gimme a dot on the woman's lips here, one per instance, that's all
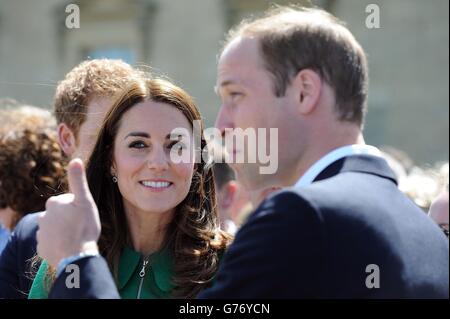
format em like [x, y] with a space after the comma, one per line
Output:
[156, 185]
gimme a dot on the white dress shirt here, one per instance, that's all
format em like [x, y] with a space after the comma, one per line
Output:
[333, 156]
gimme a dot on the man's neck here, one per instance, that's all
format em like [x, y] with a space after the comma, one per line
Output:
[315, 154]
[259, 188]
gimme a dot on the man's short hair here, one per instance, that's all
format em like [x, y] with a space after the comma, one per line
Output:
[90, 79]
[295, 38]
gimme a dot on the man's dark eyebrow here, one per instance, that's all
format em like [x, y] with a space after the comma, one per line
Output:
[228, 82]
[223, 84]
[138, 134]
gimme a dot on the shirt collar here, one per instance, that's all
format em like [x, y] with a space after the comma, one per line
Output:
[335, 155]
[160, 262]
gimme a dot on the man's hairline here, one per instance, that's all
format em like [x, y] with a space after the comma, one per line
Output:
[244, 35]
[76, 132]
[262, 64]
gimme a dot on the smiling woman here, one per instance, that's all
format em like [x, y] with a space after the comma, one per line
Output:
[160, 229]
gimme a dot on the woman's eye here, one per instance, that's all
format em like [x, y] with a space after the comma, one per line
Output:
[137, 144]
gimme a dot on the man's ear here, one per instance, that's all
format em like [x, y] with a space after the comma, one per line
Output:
[307, 86]
[66, 139]
[230, 190]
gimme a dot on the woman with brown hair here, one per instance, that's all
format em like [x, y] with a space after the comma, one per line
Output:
[160, 230]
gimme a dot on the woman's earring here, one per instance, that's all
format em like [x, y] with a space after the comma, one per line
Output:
[114, 179]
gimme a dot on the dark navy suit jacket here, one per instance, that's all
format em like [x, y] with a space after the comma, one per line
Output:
[351, 234]
[15, 272]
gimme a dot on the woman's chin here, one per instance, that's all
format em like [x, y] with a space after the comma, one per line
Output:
[156, 210]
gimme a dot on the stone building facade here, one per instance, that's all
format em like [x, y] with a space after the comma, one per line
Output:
[408, 54]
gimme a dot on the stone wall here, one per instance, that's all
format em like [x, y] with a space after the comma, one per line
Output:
[408, 55]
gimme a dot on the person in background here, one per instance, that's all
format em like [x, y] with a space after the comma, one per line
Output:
[30, 163]
[81, 101]
[160, 229]
[16, 116]
[439, 208]
[31, 170]
[4, 234]
[422, 184]
[233, 201]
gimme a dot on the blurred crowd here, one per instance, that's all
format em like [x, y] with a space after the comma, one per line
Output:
[119, 120]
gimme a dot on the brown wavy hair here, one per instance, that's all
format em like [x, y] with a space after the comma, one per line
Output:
[193, 236]
[31, 170]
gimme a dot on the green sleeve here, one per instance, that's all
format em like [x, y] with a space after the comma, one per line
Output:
[38, 288]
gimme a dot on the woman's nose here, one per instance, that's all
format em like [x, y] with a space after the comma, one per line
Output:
[158, 160]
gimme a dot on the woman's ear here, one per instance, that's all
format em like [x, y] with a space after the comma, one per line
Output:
[113, 170]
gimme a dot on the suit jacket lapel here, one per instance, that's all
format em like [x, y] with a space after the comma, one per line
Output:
[359, 163]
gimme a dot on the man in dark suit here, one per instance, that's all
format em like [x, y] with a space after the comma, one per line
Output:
[80, 105]
[343, 230]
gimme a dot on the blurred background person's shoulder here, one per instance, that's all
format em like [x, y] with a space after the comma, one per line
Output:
[439, 208]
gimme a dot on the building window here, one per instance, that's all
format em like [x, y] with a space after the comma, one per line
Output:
[113, 29]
